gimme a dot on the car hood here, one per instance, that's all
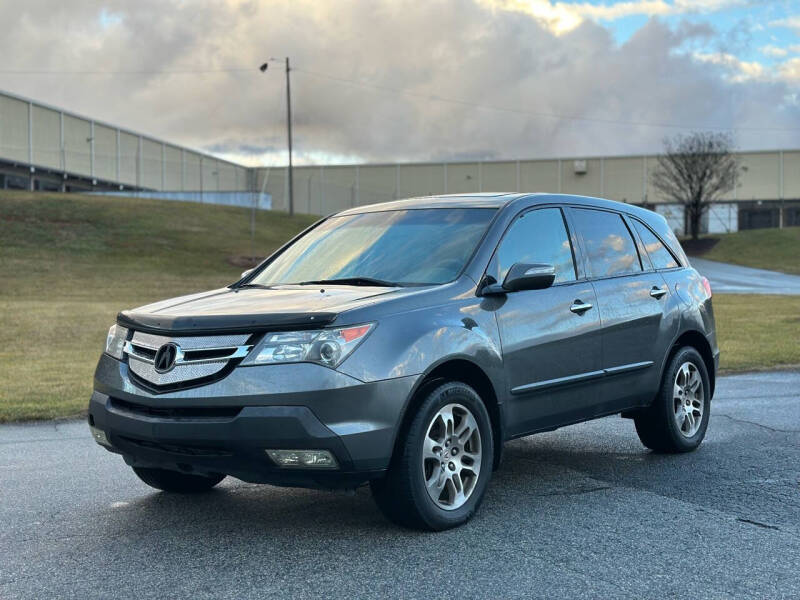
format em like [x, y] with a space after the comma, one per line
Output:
[252, 309]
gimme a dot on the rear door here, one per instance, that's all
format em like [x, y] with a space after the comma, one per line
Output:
[550, 337]
[631, 297]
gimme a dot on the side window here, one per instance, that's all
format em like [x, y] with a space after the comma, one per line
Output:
[609, 245]
[537, 236]
[661, 257]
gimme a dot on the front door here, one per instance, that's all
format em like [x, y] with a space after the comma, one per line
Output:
[551, 337]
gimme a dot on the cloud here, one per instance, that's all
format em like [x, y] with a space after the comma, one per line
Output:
[740, 70]
[561, 17]
[787, 71]
[384, 81]
[789, 22]
[773, 51]
[790, 70]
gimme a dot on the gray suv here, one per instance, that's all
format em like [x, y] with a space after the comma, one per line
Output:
[402, 344]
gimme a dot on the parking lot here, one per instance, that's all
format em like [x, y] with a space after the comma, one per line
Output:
[734, 279]
[583, 511]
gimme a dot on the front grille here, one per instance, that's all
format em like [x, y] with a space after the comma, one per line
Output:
[196, 357]
[212, 354]
[178, 448]
[143, 351]
[189, 412]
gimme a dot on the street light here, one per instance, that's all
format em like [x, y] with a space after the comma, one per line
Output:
[263, 68]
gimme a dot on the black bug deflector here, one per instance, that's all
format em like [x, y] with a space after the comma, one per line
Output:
[212, 324]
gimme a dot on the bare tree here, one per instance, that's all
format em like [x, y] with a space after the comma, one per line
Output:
[697, 170]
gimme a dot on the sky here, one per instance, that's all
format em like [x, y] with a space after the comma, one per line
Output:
[403, 80]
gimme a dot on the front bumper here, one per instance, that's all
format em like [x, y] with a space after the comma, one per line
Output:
[227, 426]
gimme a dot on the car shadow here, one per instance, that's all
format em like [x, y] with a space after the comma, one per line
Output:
[536, 475]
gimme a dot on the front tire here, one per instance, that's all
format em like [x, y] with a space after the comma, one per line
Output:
[173, 481]
[442, 466]
[678, 418]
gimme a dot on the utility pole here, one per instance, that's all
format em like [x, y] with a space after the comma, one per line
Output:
[263, 69]
[289, 136]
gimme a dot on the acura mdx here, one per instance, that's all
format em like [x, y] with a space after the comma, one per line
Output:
[401, 344]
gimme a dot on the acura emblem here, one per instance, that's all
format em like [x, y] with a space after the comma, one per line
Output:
[165, 357]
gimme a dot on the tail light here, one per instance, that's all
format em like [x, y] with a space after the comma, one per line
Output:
[707, 286]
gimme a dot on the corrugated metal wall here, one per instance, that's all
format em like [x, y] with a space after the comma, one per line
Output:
[14, 142]
[49, 139]
[323, 190]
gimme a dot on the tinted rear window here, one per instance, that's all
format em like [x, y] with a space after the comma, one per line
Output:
[607, 242]
[658, 253]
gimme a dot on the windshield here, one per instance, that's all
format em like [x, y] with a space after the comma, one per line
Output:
[398, 247]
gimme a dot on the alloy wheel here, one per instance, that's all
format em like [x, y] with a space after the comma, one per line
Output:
[688, 399]
[451, 456]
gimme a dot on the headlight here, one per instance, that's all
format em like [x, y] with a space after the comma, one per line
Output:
[327, 347]
[116, 341]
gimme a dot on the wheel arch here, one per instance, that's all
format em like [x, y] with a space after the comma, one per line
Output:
[698, 341]
[466, 371]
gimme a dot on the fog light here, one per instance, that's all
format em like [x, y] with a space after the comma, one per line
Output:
[303, 459]
[100, 436]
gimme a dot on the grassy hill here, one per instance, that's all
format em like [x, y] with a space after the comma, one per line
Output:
[774, 249]
[69, 263]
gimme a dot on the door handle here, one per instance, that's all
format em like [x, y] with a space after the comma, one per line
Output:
[657, 292]
[579, 307]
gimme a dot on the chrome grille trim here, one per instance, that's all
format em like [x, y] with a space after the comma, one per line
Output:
[142, 347]
[154, 342]
[236, 352]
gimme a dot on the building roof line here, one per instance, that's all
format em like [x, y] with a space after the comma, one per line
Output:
[144, 136]
[437, 163]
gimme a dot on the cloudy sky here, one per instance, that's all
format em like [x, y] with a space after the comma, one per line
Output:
[396, 80]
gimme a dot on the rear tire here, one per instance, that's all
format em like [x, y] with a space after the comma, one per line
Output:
[442, 465]
[678, 418]
[176, 482]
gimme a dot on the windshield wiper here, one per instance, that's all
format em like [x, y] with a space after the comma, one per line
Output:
[252, 285]
[362, 281]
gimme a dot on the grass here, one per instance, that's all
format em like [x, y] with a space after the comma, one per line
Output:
[69, 263]
[757, 332]
[774, 249]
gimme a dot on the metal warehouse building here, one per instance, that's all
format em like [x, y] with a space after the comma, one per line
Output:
[45, 148]
[768, 194]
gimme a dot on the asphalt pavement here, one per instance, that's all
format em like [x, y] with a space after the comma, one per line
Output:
[585, 511]
[726, 278]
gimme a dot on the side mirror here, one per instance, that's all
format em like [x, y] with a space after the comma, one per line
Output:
[525, 276]
[246, 273]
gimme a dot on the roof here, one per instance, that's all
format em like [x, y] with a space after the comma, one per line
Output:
[492, 200]
[477, 200]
